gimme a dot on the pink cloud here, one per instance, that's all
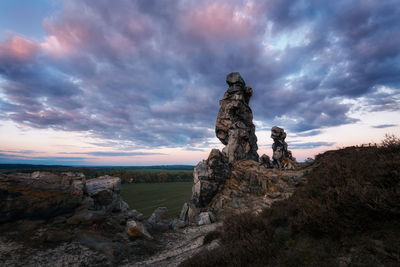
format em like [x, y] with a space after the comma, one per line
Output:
[18, 48]
[216, 20]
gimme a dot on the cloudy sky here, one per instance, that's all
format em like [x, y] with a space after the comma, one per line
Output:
[137, 82]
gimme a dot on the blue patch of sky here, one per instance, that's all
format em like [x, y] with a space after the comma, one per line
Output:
[25, 17]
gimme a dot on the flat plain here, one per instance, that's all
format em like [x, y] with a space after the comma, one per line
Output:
[146, 197]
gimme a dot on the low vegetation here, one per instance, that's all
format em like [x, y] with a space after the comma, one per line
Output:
[348, 213]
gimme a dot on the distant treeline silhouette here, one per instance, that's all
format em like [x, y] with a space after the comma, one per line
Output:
[135, 174]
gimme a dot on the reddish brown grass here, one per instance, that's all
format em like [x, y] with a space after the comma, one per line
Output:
[348, 212]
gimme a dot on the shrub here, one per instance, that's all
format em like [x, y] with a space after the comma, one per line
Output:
[350, 202]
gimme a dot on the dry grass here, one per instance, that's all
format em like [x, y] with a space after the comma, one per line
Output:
[348, 212]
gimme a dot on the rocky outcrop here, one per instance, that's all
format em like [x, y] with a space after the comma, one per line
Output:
[235, 129]
[105, 192]
[234, 126]
[209, 176]
[282, 157]
[253, 187]
[48, 218]
[39, 195]
[237, 179]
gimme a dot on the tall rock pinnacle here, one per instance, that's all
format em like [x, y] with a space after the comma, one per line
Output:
[282, 157]
[234, 126]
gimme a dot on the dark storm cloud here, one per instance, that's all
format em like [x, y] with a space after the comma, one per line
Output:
[152, 72]
[25, 159]
[381, 126]
[308, 145]
[115, 154]
[311, 133]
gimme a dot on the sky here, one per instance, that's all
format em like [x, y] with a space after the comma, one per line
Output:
[138, 82]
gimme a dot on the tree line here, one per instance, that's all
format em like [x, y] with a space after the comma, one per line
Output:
[153, 174]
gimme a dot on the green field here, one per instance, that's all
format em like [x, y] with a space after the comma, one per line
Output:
[146, 197]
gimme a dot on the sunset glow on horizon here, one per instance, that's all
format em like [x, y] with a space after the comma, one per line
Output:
[139, 82]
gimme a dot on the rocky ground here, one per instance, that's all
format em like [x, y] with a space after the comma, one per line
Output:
[179, 245]
[48, 248]
[102, 230]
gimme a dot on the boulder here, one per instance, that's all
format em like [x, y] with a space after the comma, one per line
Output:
[137, 229]
[206, 218]
[189, 213]
[105, 191]
[234, 126]
[134, 214]
[159, 219]
[209, 177]
[177, 223]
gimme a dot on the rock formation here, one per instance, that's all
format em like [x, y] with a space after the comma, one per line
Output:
[234, 126]
[264, 160]
[82, 221]
[208, 177]
[236, 179]
[45, 195]
[235, 129]
[282, 157]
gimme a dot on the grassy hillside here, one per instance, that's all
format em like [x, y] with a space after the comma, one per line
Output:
[348, 214]
[147, 197]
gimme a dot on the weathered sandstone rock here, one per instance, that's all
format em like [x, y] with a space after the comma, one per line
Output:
[264, 160]
[234, 126]
[177, 224]
[159, 219]
[209, 176]
[252, 187]
[189, 213]
[138, 230]
[105, 191]
[282, 157]
[206, 218]
[40, 195]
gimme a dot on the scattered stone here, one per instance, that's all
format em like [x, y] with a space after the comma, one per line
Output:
[87, 217]
[123, 206]
[177, 224]
[134, 214]
[159, 219]
[189, 213]
[206, 218]
[234, 126]
[137, 229]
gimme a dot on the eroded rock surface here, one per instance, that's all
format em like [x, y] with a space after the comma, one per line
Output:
[208, 177]
[39, 195]
[237, 179]
[253, 187]
[234, 126]
[52, 219]
[282, 157]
